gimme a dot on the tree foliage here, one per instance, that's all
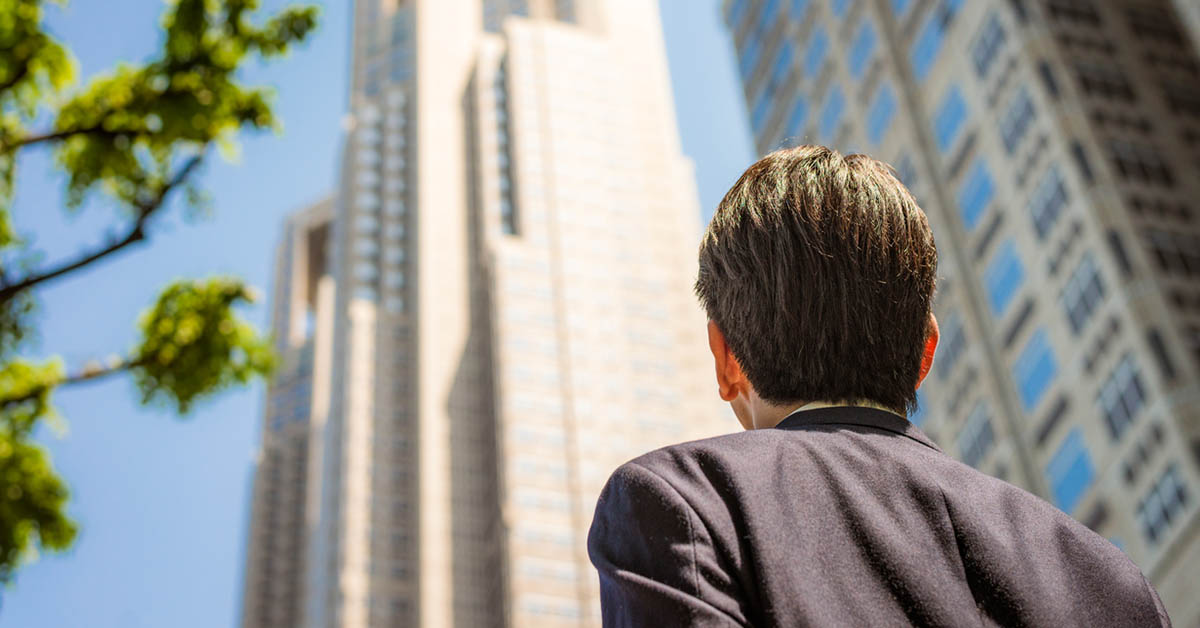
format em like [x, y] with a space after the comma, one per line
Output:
[132, 138]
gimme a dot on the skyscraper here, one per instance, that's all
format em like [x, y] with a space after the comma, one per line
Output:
[1055, 146]
[513, 245]
[297, 396]
[1189, 14]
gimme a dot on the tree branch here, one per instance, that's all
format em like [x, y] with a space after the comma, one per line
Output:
[89, 373]
[21, 73]
[53, 136]
[135, 234]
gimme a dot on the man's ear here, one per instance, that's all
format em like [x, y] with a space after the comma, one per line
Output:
[931, 343]
[730, 380]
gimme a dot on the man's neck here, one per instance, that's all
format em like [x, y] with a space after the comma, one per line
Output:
[816, 405]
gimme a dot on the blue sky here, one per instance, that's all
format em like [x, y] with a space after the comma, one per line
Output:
[162, 501]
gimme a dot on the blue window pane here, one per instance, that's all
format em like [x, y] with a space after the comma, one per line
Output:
[918, 416]
[780, 68]
[1003, 277]
[862, 48]
[814, 56]
[768, 16]
[797, 118]
[759, 116]
[883, 109]
[750, 55]
[925, 48]
[976, 194]
[799, 8]
[831, 114]
[949, 118]
[900, 7]
[840, 6]
[737, 11]
[1035, 369]
[1070, 472]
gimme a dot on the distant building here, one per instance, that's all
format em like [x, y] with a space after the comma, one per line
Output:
[513, 246]
[302, 309]
[1055, 146]
[1189, 14]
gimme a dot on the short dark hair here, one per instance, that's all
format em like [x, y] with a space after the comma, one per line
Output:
[819, 269]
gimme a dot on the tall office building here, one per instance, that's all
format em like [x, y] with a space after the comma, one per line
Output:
[302, 307]
[1055, 145]
[513, 246]
[1189, 14]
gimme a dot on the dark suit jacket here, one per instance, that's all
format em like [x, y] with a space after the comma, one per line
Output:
[846, 517]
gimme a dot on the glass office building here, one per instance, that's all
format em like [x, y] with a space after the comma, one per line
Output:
[1055, 145]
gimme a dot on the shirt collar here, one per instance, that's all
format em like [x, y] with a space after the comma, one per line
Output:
[860, 414]
[817, 405]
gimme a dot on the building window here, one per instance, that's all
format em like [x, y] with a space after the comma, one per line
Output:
[814, 55]
[1183, 98]
[987, 44]
[737, 11]
[798, 117]
[1048, 79]
[1016, 120]
[759, 116]
[1140, 162]
[862, 48]
[799, 9]
[781, 67]
[779, 71]
[906, 171]
[831, 114]
[767, 17]
[883, 109]
[954, 343]
[1035, 369]
[1070, 472]
[1118, 251]
[1174, 252]
[750, 55]
[840, 6]
[1083, 293]
[926, 47]
[1155, 23]
[1159, 348]
[1121, 397]
[976, 438]
[949, 118]
[1105, 81]
[1077, 11]
[508, 198]
[976, 194]
[1081, 160]
[921, 413]
[900, 7]
[1162, 507]
[1003, 277]
[1047, 202]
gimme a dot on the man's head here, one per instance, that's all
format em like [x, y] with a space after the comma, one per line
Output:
[817, 273]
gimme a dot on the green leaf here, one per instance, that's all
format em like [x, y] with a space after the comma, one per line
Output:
[194, 345]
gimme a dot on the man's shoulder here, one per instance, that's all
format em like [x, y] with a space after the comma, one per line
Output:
[747, 453]
[672, 459]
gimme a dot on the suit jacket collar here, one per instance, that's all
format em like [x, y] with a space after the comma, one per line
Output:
[859, 416]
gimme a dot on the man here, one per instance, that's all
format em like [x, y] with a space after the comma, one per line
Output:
[817, 273]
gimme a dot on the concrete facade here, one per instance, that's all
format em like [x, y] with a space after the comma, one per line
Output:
[301, 320]
[513, 246]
